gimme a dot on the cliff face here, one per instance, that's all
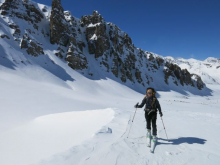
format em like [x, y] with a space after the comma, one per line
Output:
[116, 53]
[59, 31]
[91, 46]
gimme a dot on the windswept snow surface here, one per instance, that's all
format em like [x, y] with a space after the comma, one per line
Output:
[50, 134]
[42, 115]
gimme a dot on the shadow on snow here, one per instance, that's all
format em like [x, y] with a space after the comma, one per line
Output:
[180, 140]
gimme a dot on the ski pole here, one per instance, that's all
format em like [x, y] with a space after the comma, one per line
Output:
[164, 128]
[132, 122]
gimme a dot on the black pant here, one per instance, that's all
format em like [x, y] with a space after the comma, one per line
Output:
[152, 118]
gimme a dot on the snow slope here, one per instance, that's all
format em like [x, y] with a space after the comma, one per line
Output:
[48, 135]
[28, 94]
[95, 137]
[191, 123]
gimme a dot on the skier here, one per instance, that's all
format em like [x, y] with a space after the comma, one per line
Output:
[151, 106]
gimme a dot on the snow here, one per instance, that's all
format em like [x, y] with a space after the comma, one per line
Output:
[169, 58]
[212, 60]
[51, 123]
[50, 134]
[94, 37]
[190, 125]
[30, 93]
[93, 25]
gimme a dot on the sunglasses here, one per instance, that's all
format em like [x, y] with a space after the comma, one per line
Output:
[149, 92]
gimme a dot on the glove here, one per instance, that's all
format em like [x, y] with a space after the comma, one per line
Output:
[161, 114]
[136, 105]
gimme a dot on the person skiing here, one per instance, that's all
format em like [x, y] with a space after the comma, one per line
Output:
[151, 106]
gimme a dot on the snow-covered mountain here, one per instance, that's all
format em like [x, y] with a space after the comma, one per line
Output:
[208, 70]
[90, 45]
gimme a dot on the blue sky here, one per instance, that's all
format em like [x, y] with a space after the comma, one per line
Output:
[178, 28]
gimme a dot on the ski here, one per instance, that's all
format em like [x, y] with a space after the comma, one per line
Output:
[154, 140]
[148, 140]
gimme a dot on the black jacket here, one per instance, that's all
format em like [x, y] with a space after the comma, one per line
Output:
[148, 102]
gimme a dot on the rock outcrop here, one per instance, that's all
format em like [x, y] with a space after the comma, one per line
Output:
[91, 19]
[175, 71]
[23, 10]
[32, 47]
[64, 31]
[199, 83]
[75, 55]
[59, 31]
[9, 5]
[76, 59]
[96, 36]
[28, 12]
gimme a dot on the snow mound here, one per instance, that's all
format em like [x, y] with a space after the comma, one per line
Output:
[51, 134]
[105, 130]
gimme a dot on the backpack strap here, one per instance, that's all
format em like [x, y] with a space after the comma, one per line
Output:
[154, 100]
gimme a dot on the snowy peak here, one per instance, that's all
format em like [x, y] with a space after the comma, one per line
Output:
[212, 60]
[208, 69]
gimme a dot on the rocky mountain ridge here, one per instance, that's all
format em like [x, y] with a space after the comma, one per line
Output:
[91, 46]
